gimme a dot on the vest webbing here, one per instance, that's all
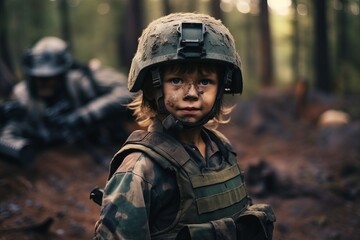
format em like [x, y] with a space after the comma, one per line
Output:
[204, 196]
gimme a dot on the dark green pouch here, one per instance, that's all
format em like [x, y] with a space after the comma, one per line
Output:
[256, 223]
[222, 229]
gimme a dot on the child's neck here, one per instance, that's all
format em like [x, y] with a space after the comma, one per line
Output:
[193, 136]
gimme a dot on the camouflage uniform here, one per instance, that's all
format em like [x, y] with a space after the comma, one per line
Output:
[160, 188]
[93, 99]
[146, 197]
[97, 100]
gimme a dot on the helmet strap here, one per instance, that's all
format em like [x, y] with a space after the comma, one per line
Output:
[170, 122]
[159, 95]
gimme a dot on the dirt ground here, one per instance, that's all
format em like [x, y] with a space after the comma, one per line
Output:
[310, 174]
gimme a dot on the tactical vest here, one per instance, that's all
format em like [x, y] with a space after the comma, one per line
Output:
[204, 196]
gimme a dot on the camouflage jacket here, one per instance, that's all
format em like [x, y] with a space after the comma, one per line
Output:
[144, 199]
[95, 99]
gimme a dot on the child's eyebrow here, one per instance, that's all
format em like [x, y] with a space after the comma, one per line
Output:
[208, 73]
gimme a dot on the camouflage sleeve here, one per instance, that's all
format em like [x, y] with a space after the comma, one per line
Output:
[126, 202]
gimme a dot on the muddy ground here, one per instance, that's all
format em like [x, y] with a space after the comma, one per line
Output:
[309, 173]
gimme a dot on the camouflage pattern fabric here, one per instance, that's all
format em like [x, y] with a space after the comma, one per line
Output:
[94, 100]
[141, 199]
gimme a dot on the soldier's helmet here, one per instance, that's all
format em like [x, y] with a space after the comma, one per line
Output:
[49, 57]
[185, 37]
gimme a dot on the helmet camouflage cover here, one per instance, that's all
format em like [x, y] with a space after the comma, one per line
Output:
[185, 37]
[49, 57]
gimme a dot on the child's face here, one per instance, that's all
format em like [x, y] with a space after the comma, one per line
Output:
[189, 96]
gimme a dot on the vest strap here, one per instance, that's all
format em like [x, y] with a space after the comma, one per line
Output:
[210, 179]
[222, 200]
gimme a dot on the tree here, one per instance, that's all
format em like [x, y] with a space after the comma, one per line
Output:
[64, 21]
[7, 81]
[250, 41]
[4, 53]
[132, 25]
[342, 45]
[323, 82]
[7, 78]
[296, 43]
[166, 7]
[193, 5]
[266, 62]
[215, 9]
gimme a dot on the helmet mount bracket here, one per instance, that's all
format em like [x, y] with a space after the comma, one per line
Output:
[191, 40]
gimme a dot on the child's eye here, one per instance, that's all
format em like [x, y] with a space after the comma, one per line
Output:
[205, 82]
[176, 81]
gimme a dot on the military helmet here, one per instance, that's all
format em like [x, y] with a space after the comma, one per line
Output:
[185, 37]
[49, 57]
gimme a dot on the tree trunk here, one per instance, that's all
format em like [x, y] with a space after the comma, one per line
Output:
[7, 81]
[132, 27]
[250, 41]
[166, 7]
[65, 21]
[342, 47]
[323, 82]
[266, 64]
[4, 52]
[193, 5]
[216, 10]
[296, 45]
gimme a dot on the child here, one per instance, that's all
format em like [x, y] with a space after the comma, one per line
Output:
[180, 179]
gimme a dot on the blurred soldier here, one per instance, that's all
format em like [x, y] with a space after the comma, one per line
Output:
[62, 101]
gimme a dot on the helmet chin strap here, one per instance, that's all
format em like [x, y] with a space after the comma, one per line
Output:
[172, 123]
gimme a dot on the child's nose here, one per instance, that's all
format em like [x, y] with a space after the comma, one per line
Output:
[191, 91]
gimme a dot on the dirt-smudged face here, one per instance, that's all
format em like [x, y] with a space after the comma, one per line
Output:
[190, 96]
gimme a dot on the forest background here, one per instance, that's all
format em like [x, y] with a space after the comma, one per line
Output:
[300, 60]
[280, 41]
